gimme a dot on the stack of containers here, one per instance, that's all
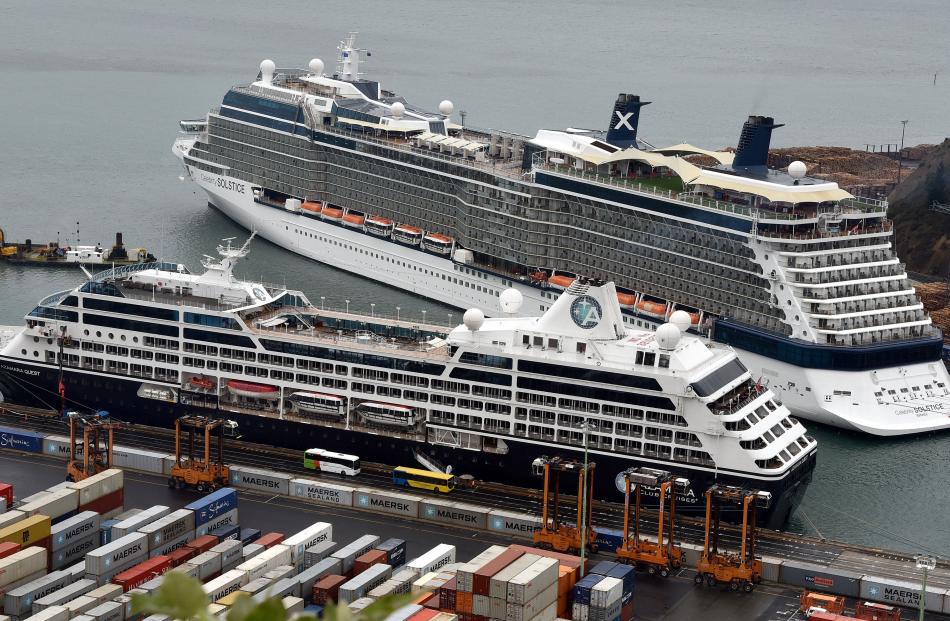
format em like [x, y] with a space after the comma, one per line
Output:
[139, 520]
[230, 552]
[348, 553]
[21, 568]
[267, 560]
[367, 560]
[605, 599]
[532, 594]
[315, 554]
[217, 510]
[169, 533]
[298, 543]
[464, 577]
[106, 561]
[58, 505]
[326, 590]
[400, 582]
[18, 601]
[70, 539]
[627, 574]
[364, 582]
[436, 558]
[207, 565]
[29, 531]
[495, 603]
[102, 493]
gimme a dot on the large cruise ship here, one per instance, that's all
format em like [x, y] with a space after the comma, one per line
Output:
[486, 398]
[801, 277]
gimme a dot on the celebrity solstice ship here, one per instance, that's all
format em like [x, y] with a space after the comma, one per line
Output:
[799, 276]
[486, 398]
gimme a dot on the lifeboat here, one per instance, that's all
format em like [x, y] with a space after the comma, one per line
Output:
[561, 281]
[202, 382]
[438, 244]
[652, 308]
[354, 220]
[332, 214]
[538, 276]
[378, 226]
[405, 234]
[311, 207]
[253, 390]
[626, 300]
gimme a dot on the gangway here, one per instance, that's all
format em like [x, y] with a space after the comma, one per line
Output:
[742, 570]
[662, 556]
[553, 534]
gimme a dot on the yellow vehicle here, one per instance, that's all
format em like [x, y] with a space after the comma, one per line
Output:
[424, 479]
[715, 566]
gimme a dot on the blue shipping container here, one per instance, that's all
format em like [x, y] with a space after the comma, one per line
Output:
[628, 574]
[609, 539]
[214, 504]
[20, 440]
[313, 609]
[583, 587]
[105, 531]
[249, 535]
[603, 568]
[226, 532]
[395, 550]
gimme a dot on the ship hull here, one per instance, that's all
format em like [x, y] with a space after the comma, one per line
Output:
[813, 394]
[36, 384]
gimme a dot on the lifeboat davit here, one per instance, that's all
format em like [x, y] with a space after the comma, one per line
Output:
[651, 307]
[561, 281]
[199, 381]
[626, 300]
[253, 390]
[311, 207]
[354, 220]
[379, 226]
[332, 214]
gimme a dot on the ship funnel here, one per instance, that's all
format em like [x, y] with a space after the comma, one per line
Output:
[622, 131]
[753, 148]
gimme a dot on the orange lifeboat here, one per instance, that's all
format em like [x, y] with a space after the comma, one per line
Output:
[650, 307]
[253, 390]
[311, 207]
[200, 381]
[627, 300]
[332, 214]
[538, 276]
[379, 226]
[562, 281]
[354, 220]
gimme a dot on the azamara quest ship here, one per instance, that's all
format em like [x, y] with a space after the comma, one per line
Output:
[798, 275]
[486, 398]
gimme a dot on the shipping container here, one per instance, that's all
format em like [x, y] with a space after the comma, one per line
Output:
[251, 550]
[813, 578]
[7, 548]
[109, 611]
[308, 537]
[583, 588]
[308, 577]
[28, 531]
[374, 557]
[19, 601]
[606, 592]
[167, 547]
[168, 528]
[182, 555]
[6, 496]
[230, 551]
[454, 513]
[227, 520]
[126, 601]
[900, 593]
[348, 553]
[255, 586]
[98, 486]
[465, 571]
[564, 559]
[64, 595]
[138, 459]
[514, 524]
[317, 553]
[395, 550]
[628, 575]
[20, 565]
[391, 503]
[608, 539]
[292, 606]
[533, 581]
[80, 526]
[249, 535]
[52, 613]
[286, 587]
[214, 505]
[268, 559]
[139, 520]
[357, 587]
[10, 517]
[534, 607]
[74, 552]
[105, 593]
[230, 532]
[80, 605]
[498, 584]
[142, 572]
[360, 604]
[152, 585]
[280, 572]
[481, 578]
[108, 505]
[21, 440]
[261, 480]
[203, 543]
[132, 549]
[105, 530]
[57, 505]
[435, 558]
[191, 570]
[325, 493]
[224, 584]
[208, 563]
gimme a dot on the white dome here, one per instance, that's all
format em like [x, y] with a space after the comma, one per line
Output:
[681, 320]
[398, 109]
[511, 301]
[797, 169]
[267, 70]
[446, 107]
[473, 319]
[667, 336]
[316, 66]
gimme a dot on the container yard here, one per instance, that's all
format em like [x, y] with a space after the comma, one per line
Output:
[465, 560]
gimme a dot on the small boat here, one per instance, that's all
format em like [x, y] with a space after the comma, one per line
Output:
[318, 403]
[538, 276]
[405, 234]
[252, 390]
[653, 308]
[378, 226]
[311, 207]
[438, 244]
[354, 220]
[386, 414]
[202, 382]
[332, 214]
[626, 300]
[562, 281]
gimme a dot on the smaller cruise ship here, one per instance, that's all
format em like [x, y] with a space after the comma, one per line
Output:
[486, 398]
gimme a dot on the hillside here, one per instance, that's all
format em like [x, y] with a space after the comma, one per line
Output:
[936, 299]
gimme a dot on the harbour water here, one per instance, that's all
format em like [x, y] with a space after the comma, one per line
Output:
[93, 94]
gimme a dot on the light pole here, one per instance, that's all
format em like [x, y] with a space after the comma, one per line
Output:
[450, 320]
[926, 563]
[397, 313]
[424, 316]
[900, 154]
[584, 501]
[347, 307]
[323, 299]
[372, 307]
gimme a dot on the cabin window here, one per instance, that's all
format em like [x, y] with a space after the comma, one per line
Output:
[582, 348]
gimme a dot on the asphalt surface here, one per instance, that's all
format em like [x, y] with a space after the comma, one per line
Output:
[655, 598]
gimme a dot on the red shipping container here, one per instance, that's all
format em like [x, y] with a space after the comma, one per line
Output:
[426, 614]
[626, 613]
[181, 555]
[6, 493]
[142, 573]
[367, 560]
[564, 559]
[202, 543]
[463, 602]
[327, 589]
[107, 503]
[481, 580]
[447, 595]
[269, 539]
[8, 547]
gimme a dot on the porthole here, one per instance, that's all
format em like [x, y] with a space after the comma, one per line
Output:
[111, 336]
[99, 333]
[23, 352]
[135, 339]
[85, 332]
[36, 339]
[36, 354]
[122, 337]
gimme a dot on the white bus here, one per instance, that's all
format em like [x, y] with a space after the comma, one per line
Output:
[327, 461]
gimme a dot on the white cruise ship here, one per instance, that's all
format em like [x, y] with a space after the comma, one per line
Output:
[487, 398]
[798, 275]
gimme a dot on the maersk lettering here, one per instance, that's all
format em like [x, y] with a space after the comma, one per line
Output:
[456, 517]
[901, 596]
[118, 556]
[444, 561]
[326, 495]
[230, 184]
[249, 480]
[524, 528]
[77, 531]
[79, 548]
[389, 504]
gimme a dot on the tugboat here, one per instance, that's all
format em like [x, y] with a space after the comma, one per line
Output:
[54, 253]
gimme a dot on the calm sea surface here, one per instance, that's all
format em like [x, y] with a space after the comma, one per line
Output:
[92, 92]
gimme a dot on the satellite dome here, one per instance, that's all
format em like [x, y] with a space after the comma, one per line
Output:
[681, 320]
[267, 70]
[316, 66]
[473, 319]
[667, 336]
[446, 107]
[797, 169]
[398, 109]
[511, 301]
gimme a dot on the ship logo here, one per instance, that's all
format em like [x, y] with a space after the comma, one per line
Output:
[624, 121]
[586, 312]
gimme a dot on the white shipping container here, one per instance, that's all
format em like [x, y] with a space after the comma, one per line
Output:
[73, 529]
[80, 605]
[292, 605]
[534, 607]
[325, 493]
[442, 554]
[308, 577]
[188, 569]
[348, 553]
[251, 550]
[109, 611]
[392, 503]
[900, 593]
[403, 613]
[315, 554]
[64, 595]
[310, 536]
[230, 551]
[261, 480]
[75, 551]
[105, 593]
[137, 521]
[357, 587]
[256, 586]
[120, 552]
[227, 582]
[464, 573]
[225, 519]
[279, 573]
[360, 604]
[498, 584]
[499, 608]
[22, 564]
[137, 459]
[455, 513]
[534, 580]
[270, 558]
[606, 592]
[126, 601]
[53, 613]
[481, 605]
[19, 601]
[10, 517]
[167, 547]
[511, 523]
[98, 485]
[169, 527]
[208, 563]
[54, 504]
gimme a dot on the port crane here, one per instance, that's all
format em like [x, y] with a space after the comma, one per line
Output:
[662, 556]
[206, 470]
[553, 534]
[742, 570]
[90, 449]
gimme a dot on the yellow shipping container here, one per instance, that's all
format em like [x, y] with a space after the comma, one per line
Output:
[228, 600]
[28, 531]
